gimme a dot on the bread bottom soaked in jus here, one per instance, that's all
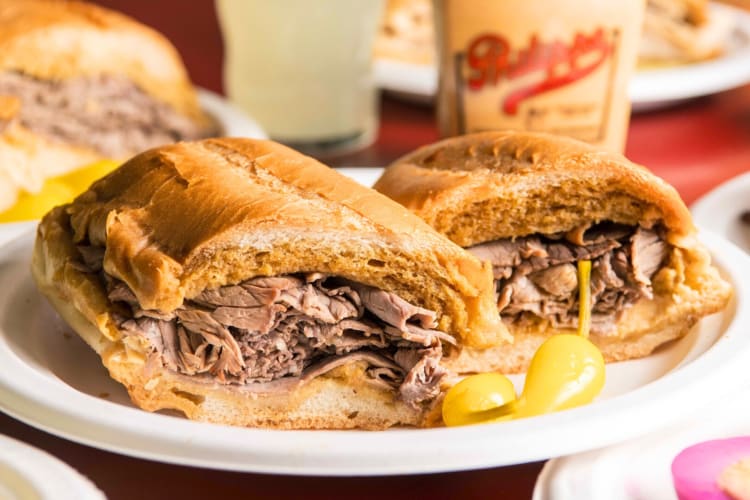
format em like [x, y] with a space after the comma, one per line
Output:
[271, 334]
[536, 275]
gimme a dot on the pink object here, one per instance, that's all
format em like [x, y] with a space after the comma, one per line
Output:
[696, 470]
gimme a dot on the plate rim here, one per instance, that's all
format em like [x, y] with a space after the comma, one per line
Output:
[701, 207]
[45, 473]
[95, 422]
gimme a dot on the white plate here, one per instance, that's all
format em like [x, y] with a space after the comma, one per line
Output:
[51, 380]
[649, 89]
[11, 230]
[234, 122]
[27, 473]
[364, 175]
[415, 82]
[721, 209]
[641, 469]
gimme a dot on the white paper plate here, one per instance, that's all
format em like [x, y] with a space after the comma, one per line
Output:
[234, 122]
[51, 380]
[649, 89]
[414, 82]
[364, 175]
[641, 469]
[722, 208]
[27, 473]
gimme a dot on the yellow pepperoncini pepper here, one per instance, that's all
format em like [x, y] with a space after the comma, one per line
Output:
[566, 371]
[56, 191]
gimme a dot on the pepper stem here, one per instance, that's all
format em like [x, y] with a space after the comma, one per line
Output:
[584, 298]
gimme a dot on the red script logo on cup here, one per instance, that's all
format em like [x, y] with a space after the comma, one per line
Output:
[490, 59]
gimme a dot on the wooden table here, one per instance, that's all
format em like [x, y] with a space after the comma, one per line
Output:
[695, 147]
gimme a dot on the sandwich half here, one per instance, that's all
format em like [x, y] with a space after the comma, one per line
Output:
[533, 205]
[243, 283]
[79, 83]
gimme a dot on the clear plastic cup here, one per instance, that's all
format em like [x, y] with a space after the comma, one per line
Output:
[303, 69]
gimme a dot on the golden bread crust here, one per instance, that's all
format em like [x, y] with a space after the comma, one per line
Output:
[539, 183]
[488, 186]
[56, 40]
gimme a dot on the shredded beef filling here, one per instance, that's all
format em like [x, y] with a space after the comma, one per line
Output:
[269, 333]
[536, 275]
[106, 113]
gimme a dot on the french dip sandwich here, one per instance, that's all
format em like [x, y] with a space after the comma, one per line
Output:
[533, 205]
[79, 83]
[243, 283]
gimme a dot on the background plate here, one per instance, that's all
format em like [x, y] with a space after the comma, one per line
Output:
[641, 469]
[27, 473]
[51, 380]
[722, 209]
[655, 88]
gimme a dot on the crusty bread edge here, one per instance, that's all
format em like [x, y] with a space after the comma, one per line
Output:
[534, 160]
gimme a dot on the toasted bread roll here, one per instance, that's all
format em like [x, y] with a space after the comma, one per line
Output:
[244, 283]
[534, 205]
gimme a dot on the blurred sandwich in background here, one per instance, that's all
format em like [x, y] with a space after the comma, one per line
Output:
[683, 31]
[80, 83]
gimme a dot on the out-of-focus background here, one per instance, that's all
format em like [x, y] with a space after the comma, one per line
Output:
[718, 125]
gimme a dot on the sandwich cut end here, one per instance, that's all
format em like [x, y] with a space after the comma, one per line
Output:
[533, 205]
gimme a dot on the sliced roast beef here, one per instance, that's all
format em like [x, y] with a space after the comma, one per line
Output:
[271, 328]
[92, 257]
[558, 281]
[386, 368]
[394, 310]
[536, 275]
[647, 252]
[423, 372]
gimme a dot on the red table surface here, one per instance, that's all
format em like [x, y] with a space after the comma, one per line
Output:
[695, 147]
